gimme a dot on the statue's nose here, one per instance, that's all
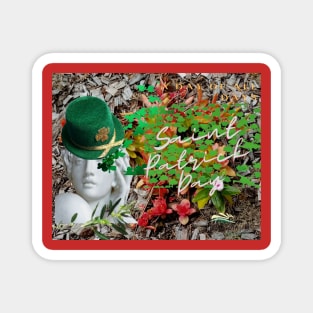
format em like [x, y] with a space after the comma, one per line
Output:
[91, 166]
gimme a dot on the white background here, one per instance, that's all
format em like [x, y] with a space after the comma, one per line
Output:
[30, 283]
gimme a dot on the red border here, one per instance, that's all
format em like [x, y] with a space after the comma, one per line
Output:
[263, 243]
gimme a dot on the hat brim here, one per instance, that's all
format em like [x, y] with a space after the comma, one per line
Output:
[92, 154]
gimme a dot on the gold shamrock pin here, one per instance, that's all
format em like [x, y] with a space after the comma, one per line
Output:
[102, 134]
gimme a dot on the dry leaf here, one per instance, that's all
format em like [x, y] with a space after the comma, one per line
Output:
[145, 101]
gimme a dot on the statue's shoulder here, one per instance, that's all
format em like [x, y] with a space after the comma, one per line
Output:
[68, 204]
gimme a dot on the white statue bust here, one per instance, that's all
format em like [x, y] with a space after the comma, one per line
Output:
[94, 188]
[90, 134]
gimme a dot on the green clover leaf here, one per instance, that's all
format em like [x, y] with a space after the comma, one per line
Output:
[150, 88]
[154, 99]
[141, 88]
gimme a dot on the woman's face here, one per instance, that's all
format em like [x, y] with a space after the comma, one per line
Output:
[90, 183]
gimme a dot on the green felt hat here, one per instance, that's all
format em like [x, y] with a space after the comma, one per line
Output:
[91, 130]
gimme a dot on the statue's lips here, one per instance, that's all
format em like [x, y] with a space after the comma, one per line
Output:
[89, 183]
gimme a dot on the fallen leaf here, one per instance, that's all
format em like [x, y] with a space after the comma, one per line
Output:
[229, 171]
[183, 220]
[189, 100]
[146, 101]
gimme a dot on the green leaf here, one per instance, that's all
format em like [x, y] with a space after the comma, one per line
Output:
[217, 112]
[120, 153]
[120, 228]
[129, 171]
[228, 149]
[202, 194]
[141, 87]
[257, 138]
[257, 165]
[217, 166]
[218, 201]
[74, 217]
[257, 174]
[113, 206]
[112, 168]
[250, 145]
[104, 208]
[209, 142]
[242, 168]
[194, 175]
[172, 158]
[127, 143]
[252, 117]
[139, 130]
[171, 172]
[254, 126]
[180, 119]
[227, 179]
[199, 154]
[128, 126]
[140, 169]
[213, 153]
[163, 178]
[232, 142]
[154, 98]
[208, 170]
[182, 129]
[100, 235]
[142, 112]
[203, 147]
[159, 172]
[153, 111]
[203, 179]
[173, 182]
[245, 181]
[230, 190]
[187, 169]
[150, 88]
[94, 211]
